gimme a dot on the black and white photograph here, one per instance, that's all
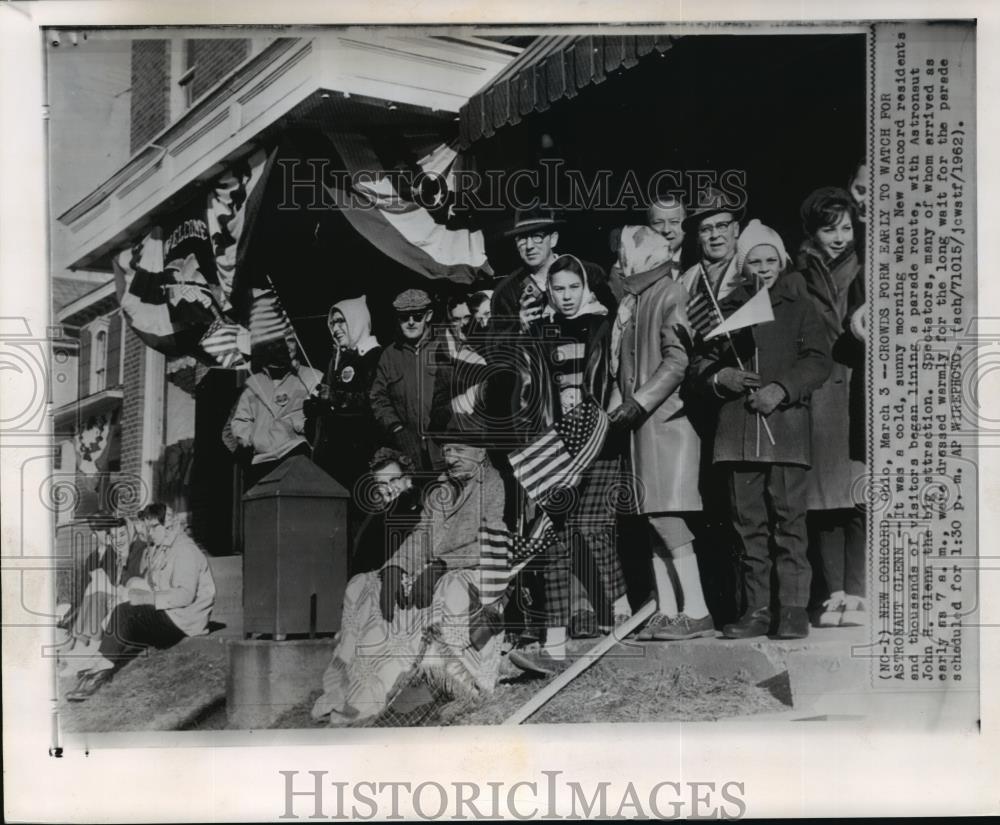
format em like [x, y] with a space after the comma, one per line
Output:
[574, 381]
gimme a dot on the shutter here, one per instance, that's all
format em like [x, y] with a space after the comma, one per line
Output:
[85, 342]
[114, 351]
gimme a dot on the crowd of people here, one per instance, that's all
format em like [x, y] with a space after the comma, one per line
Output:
[731, 377]
[733, 388]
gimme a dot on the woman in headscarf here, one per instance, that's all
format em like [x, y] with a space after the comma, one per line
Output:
[762, 377]
[575, 336]
[650, 353]
[345, 436]
[835, 279]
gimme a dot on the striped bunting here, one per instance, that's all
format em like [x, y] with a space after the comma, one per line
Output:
[558, 459]
[502, 555]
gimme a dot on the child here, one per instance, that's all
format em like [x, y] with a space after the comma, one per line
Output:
[575, 340]
[763, 380]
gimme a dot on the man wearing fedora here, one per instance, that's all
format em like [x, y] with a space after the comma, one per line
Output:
[403, 389]
[716, 221]
[520, 297]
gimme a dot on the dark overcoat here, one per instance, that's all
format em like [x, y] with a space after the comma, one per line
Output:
[835, 482]
[792, 351]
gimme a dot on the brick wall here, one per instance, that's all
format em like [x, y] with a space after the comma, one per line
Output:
[150, 90]
[214, 59]
[134, 382]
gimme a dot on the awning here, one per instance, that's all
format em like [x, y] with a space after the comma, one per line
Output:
[550, 69]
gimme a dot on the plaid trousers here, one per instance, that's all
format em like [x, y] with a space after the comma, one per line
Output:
[587, 546]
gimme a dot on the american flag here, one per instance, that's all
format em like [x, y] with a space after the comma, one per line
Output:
[558, 459]
[702, 312]
[268, 320]
[227, 343]
[503, 554]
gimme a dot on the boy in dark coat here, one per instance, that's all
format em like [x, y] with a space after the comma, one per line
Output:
[763, 432]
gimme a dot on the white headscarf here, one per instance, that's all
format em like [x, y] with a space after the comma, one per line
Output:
[589, 305]
[359, 324]
[641, 250]
[757, 234]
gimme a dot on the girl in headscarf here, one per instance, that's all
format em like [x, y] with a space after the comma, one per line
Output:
[835, 279]
[345, 437]
[575, 340]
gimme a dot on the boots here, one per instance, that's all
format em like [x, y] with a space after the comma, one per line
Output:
[793, 623]
[753, 623]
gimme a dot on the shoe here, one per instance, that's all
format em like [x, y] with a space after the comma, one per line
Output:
[855, 612]
[90, 682]
[833, 610]
[793, 623]
[753, 623]
[656, 621]
[682, 627]
[583, 625]
[537, 664]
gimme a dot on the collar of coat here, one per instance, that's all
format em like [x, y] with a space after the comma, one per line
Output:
[781, 290]
[641, 281]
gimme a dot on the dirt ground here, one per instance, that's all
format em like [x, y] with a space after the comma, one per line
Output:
[601, 694]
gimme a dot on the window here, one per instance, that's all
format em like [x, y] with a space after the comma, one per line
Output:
[100, 361]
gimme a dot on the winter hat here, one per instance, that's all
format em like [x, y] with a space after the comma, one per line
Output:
[757, 234]
[359, 323]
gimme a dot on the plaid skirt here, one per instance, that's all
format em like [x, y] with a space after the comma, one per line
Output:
[587, 547]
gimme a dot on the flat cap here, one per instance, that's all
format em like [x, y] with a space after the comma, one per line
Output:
[411, 299]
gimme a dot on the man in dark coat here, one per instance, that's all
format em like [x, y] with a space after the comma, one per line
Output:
[763, 380]
[403, 389]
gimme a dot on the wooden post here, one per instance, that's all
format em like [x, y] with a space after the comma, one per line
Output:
[580, 665]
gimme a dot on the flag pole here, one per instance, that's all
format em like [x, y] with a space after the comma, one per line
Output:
[588, 658]
[284, 312]
[732, 344]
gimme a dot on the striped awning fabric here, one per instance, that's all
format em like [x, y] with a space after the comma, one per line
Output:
[548, 70]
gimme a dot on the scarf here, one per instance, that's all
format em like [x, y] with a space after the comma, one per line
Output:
[589, 305]
[641, 253]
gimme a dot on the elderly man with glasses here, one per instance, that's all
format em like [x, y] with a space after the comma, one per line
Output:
[716, 221]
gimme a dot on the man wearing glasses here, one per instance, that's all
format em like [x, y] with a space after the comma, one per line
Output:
[717, 224]
[404, 382]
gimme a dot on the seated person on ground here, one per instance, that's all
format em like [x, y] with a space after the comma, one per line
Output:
[417, 612]
[172, 600]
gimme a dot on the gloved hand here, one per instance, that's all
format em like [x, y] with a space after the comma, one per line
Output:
[314, 407]
[409, 444]
[627, 415]
[736, 381]
[426, 581]
[392, 591]
[767, 399]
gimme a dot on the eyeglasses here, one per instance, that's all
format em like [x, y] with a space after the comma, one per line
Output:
[711, 228]
[404, 317]
[534, 237]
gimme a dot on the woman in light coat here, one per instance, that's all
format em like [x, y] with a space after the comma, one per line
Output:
[650, 348]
